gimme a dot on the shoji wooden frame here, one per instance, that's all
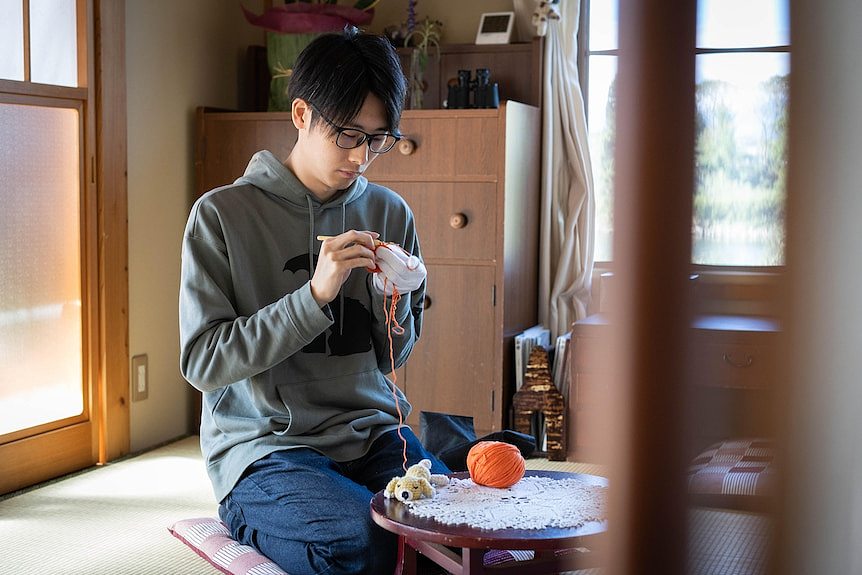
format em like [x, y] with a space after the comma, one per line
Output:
[103, 433]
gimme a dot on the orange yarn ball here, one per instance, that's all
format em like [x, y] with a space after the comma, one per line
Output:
[495, 464]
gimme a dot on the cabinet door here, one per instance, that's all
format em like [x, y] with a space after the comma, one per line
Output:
[454, 220]
[452, 364]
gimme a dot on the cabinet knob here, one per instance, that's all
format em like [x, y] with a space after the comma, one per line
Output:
[458, 221]
[426, 303]
[406, 147]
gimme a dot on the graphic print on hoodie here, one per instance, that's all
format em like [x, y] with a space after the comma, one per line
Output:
[351, 322]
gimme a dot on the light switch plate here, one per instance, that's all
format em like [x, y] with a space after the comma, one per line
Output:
[140, 378]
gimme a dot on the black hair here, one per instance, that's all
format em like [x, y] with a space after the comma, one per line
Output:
[337, 71]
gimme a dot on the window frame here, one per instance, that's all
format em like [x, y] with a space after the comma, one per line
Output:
[101, 95]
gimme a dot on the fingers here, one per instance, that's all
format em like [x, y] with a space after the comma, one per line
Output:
[392, 266]
[352, 256]
[339, 255]
[366, 238]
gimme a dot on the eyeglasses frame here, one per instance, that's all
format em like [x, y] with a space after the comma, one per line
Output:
[366, 137]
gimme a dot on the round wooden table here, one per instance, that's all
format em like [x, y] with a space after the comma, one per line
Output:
[555, 549]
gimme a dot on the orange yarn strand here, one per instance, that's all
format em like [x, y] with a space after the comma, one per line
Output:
[392, 326]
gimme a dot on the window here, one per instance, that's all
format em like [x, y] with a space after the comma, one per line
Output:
[742, 70]
[49, 301]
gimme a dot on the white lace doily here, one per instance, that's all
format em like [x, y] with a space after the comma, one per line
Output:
[532, 503]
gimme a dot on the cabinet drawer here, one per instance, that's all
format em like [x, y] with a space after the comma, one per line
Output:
[436, 204]
[742, 365]
[445, 148]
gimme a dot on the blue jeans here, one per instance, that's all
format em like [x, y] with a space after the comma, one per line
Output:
[311, 515]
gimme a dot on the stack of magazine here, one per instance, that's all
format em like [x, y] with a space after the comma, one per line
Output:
[562, 358]
[524, 344]
[558, 358]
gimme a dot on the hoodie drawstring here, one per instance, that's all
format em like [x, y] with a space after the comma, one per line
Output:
[310, 237]
[341, 292]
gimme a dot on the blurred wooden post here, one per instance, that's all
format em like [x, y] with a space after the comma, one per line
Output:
[821, 518]
[646, 434]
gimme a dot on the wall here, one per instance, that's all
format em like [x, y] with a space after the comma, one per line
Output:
[179, 55]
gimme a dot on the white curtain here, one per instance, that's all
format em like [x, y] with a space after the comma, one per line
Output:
[568, 205]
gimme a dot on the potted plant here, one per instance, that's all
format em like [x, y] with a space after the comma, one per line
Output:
[291, 26]
[424, 35]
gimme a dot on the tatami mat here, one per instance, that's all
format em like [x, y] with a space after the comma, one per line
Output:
[110, 520]
[113, 520]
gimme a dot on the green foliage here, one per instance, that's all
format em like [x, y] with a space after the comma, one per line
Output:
[740, 181]
[740, 193]
[425, 36]
[604, 204]
[774, 114]
[715, 150]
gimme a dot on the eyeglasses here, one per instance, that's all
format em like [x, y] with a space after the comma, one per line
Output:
[349, 138]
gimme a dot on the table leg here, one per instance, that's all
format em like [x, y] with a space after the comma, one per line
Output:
[472, 561]
[406, 564]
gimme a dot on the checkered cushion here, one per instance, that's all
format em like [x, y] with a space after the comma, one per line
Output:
[733, 473]
[210, 538]
[502, 557]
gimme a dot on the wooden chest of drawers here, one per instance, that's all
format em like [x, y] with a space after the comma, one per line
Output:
[730, 365]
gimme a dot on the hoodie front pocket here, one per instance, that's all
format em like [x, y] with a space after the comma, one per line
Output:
[316, 406]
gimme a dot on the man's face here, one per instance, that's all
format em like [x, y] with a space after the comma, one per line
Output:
[325, 168]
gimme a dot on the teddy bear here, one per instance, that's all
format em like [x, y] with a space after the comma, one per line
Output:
[418, 482]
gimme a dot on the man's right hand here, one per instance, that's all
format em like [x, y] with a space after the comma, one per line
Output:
[339, 255]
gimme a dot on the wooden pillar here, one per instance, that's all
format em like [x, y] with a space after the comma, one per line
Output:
[821, 515]
[646, 434]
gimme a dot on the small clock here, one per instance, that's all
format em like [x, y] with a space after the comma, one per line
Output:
[495, 28]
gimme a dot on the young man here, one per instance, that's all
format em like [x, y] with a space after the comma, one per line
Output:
[285, 334]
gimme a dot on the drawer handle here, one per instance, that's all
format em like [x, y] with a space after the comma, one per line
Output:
[426, 303]
[458, 221]
[406, 147]
[748, 361]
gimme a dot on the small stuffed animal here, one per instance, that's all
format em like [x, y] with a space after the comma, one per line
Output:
[418, 482]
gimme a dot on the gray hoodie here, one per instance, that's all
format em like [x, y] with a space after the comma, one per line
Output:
[276, 370]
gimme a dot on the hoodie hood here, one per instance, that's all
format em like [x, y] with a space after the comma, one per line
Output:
[266, 172]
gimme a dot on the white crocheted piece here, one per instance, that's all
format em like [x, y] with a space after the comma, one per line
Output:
[532, 503]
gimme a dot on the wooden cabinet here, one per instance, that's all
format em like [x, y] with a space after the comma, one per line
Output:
[516, 68]
[472, 180]
[730, 365]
